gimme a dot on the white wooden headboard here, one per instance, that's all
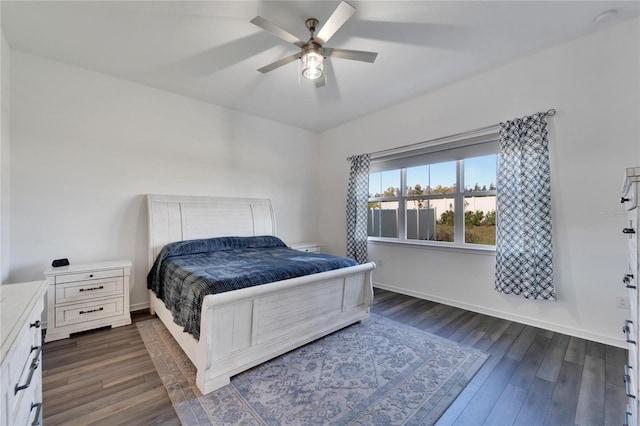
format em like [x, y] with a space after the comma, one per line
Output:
[178, 218]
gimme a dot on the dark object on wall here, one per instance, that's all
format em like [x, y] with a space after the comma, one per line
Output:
[60, 262]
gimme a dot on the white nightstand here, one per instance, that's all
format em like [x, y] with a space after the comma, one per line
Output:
[308, 247]
[86, 296]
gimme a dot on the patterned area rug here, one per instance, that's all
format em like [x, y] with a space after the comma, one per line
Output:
[378, 372]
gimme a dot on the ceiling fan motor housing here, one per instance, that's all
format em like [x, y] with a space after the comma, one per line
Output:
[311, 24]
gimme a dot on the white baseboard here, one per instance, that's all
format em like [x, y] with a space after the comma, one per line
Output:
[583, 334]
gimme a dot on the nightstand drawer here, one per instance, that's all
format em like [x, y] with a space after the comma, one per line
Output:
[73, 292]
[91, 275]
[306, 247]
[83, 312]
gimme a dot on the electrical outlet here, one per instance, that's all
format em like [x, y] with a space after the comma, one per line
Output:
[622, 302]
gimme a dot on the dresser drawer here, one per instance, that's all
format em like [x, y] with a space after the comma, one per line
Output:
[24, 368]
[630, 377]
[29, 404]
[306, 247]
[629, 196]
[77, 291]
[88, 311]
[91, 275]
[631, 416]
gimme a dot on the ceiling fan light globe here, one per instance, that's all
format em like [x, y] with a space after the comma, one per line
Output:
[312, 64]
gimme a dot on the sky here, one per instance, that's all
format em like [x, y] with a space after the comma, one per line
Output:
[480, 170]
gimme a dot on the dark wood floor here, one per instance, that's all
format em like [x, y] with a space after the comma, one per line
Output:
[103, 377]
[533, 377]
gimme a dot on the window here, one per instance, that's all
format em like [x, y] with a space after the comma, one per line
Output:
[441, 195]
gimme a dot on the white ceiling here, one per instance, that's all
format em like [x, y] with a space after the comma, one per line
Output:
[208, 50]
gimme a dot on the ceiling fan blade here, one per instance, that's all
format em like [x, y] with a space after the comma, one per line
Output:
[321, 82]
[276, 31]
[335, 21]
[355, 55]
[279, 63]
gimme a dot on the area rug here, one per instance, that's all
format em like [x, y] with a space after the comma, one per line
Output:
[377, 372]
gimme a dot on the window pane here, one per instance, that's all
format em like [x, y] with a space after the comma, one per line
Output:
[384, 184]
[421, 220]
[417, 180]
[444, 212]
[480, 173]
[383, 219]
[442, 178]
[480, 220]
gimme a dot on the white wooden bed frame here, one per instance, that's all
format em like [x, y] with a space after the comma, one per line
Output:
[243, 328]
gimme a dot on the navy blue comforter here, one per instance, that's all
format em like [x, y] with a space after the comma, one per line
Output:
[186, 271]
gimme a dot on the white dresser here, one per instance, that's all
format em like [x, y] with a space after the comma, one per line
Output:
[86, 296]
[21, 307]
[629, 198]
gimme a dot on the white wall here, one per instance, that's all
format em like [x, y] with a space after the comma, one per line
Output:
[5, 154]
[86, 147]
[593, 82]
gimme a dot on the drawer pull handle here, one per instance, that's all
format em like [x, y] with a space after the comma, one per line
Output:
[32, 369]
[33, 348]
[628, 231]
[92, 288]
[624, 200]
[90, 275]
[36, 420]
[626, 330]
[92, 310]
[35, 324]
[627, 381]
[626, 418]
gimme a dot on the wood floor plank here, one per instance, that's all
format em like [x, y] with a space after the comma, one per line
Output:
[531, 362]
[522, 343]
[590, 409]
[110, 408]
[550, 367]
[484, 400]
[497, 352]
[450, 416]
[506, 409]
[596, 350]
[456, 324]
[562, 410]
[466, 328]
[380, 295]
[492, 335]
[576, 350]
[484, 326]
[536, 404]
[444, 317]
[390, 311]
[409, 317]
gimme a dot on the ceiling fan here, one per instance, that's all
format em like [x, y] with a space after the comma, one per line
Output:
[313, 53]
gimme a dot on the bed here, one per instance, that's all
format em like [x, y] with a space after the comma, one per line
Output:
[242, 328]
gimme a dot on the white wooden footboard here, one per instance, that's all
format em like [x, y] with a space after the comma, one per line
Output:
[244, 328]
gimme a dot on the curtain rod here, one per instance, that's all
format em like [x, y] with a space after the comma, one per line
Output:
[550, 112]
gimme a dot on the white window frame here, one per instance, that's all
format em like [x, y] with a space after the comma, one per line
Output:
[456, 147]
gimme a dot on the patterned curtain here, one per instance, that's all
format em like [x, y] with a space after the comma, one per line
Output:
[357, 206]
[524, 261]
